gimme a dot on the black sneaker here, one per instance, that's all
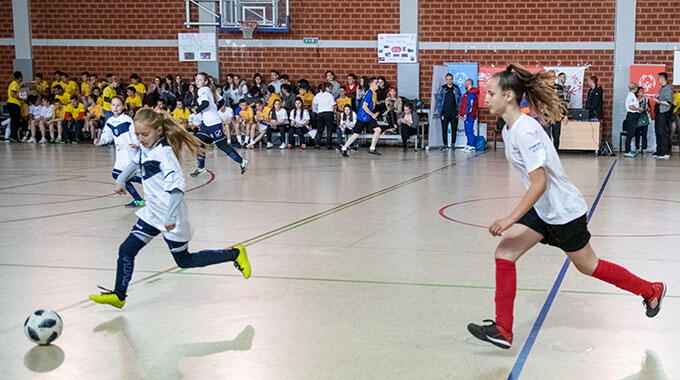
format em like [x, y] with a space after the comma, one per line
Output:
[374, 151]
[344, 153]
[355, 148]
[489, 333]
[653, 304]
[198, 171]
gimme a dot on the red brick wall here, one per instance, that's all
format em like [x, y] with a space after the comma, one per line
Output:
[516, 20]
[601, 66]
[657, 21]
[6, 20]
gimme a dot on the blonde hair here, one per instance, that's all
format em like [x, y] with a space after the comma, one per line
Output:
[537, 88]
[632, 86]
[176, 134]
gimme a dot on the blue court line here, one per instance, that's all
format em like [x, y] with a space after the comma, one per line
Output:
[524, 354]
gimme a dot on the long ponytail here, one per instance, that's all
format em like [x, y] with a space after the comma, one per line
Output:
[177, 135]
[537, 88]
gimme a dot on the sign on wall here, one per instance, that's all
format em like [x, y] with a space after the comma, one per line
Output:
[397, 48]
[485, 74]
[197, 47]
[461, 72]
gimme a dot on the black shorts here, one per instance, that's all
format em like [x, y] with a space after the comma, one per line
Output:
[211, 133]
[569, 237]
[361, 126]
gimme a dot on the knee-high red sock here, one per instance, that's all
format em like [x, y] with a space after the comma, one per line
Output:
[506, 288]
[622, 278]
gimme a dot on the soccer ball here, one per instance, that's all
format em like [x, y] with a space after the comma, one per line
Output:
[43, 326]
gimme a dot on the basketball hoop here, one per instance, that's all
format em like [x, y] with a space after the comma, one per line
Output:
[248, 27]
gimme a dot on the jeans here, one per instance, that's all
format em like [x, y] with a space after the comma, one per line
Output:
[73, 125]
[447, 120]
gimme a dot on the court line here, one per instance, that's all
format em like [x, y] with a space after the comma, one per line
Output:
[40, 183]
[57, 202]
[212, 178]
[533, 334]
[304, 221]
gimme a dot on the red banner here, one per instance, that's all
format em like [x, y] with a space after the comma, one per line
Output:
[646, 77]
[485, 74]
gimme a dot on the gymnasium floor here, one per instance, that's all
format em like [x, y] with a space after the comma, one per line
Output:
[360, 270]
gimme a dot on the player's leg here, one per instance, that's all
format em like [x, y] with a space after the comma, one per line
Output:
[185, 259]
[205, 138]
[232, 153]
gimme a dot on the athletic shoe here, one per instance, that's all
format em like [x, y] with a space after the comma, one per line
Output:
[270, 145]
[653, 304]
[629, 154]
[198, 171]
[250, 146]
[135, 204]
[42, 141]
[107, 297]
[344, 153]
[243, 165]
[664, 157]
[57, 140]
[303, 146]
[355, 148]
[32, 140]
[282, 146]
[373, 151]
[242, 263]
[52, 140]
[490, 333]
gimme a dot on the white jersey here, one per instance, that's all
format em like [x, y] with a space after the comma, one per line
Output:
[195, 119]
[161, 173]
[120, 130]
[527, 148]
[47, 111]
[35, 111]
[227, 114]
[210, 116]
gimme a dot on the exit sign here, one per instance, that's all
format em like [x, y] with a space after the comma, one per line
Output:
[310, 40]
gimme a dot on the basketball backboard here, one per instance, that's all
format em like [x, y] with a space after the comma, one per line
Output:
[270, 15]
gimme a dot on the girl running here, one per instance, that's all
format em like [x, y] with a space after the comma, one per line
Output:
[552, 210]
[120, 129]
[162, 140]
[211, 128]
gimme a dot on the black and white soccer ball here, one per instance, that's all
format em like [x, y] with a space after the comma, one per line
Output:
[43, 326]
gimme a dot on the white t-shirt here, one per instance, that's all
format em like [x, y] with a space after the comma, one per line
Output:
[228, 113]
[300, 118]
[210, 116]
[121, 130]
[161, 173]
[195, 119]
[325, 102]
[281, 116]
[35, 111]
[527, 148]
[277, 85]
[345, 122]
[631, 100]
[47, 111]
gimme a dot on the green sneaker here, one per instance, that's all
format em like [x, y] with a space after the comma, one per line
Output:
[57, 140]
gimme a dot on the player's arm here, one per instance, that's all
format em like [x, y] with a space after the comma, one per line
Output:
[531, 196]
[368, 111]
[124, 176]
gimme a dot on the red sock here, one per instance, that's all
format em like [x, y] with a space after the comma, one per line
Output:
[506, 288]
[622, 278]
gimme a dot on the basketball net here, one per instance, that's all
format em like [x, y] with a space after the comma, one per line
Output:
[248, 27]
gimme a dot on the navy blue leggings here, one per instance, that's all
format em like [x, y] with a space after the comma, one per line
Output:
[129, 184]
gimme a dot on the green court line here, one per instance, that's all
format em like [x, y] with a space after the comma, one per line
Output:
[154, 280]
[185, 272]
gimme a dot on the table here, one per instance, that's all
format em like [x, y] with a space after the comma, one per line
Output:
[580, 135]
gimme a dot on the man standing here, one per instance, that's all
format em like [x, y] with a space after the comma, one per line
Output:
[467, 113]
[325, 104]
[663, 117]
[594, 100]
[563, 92]
[448, 100]
[14, 106]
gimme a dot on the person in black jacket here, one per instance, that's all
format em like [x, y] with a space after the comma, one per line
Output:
[594, 100]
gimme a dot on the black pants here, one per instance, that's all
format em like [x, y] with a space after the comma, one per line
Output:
[641, 134]
[15, 119]
[276, 128]
[391, 119]
[299, 131]
[554, 130]
[325, 121]
[661, 128]
[72, 126]
[447, 120]
[406, 132]
[629, 125]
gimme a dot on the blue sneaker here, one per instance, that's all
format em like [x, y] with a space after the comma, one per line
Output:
[629, 154]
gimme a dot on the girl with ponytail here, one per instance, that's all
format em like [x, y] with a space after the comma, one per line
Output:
[162, 140]
[552, 210]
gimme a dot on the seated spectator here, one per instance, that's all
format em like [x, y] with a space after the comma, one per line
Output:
[61, 95]
[139, 87]
[257, 130]
[44, 114]
[161, 106]
[94, 118]
[72, 88]
[287, 97]
[393, 107]
[244, 117]
[343, 100]
[362, 88]
[56, 120]
[85, 89]
[74, 114]
[133, 101]
[275, 81]
[195, 121]
[97, 92]
[271, 97]
[261, 86]
[151, 97]
[56, 81]
[39, 86]
[226, 114]
[351, 88]
[278, 122]
[408, 125]
[181, 114]
[191, 96]
[300, 123]
[253, 96]
[33, 114]
[348, 119]
[335, 89]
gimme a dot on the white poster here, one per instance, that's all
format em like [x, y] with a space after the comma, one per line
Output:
[676, 67]
[397, 48]
[574, 82]
[197, 47]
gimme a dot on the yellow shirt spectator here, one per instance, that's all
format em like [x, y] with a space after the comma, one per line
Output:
[41, 87]
[307, 99]
[14, 86]
[263, 116]
[135, 102]
[181, 114]
[109, 92]
[141, 89]
[58, 83]
[96, 110]
[342, 102]
[676, 101]
[58, 112]
[272, 99]
[72, 88]
[64, 98]
[74, 113]
[85, 89]
[244, 114]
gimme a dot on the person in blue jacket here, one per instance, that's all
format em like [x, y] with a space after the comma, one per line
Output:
[448, 101]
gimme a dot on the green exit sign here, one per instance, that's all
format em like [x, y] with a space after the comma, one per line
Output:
[310, 40]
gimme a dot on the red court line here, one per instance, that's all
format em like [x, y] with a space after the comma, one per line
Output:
[40, 183]
[57, 202]
[212, 178]
[443, 215]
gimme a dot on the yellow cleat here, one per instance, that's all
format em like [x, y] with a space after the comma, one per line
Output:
[242, 262]
[108, 298]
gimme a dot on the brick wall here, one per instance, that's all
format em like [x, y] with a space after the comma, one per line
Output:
[516, 20]
[657, 21]
[601, 63]
[6, 20]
